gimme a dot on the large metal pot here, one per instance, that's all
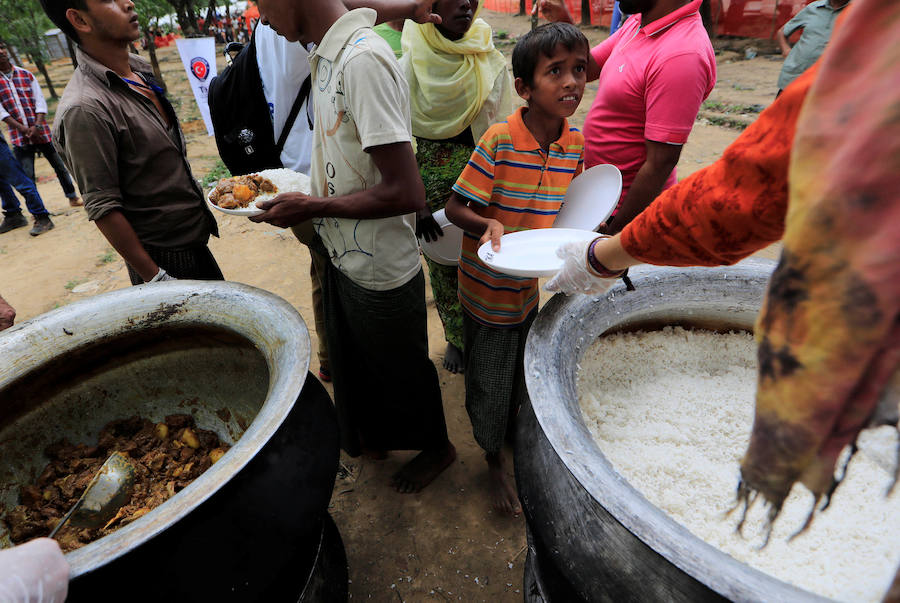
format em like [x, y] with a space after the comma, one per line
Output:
[252, 527]
[592, 536]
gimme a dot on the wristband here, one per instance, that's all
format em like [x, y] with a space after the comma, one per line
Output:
[596, 267]
[158, 276]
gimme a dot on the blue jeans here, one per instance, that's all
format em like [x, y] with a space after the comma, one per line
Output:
[25, 155]
[12, 176]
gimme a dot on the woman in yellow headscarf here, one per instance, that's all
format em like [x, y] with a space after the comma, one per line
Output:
[459, 86]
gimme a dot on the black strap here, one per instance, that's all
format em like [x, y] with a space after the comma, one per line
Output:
[295, 110]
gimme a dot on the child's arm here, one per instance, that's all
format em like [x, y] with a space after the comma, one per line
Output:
[459, 212]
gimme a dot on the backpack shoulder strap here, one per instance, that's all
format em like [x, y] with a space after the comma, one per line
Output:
[295, 110]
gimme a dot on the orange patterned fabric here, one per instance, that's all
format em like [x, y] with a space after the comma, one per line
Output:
[829, 330]
[732, 208]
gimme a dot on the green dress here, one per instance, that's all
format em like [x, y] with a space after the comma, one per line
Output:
[440, 164]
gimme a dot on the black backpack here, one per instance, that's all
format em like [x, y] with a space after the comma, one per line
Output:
[240, 116]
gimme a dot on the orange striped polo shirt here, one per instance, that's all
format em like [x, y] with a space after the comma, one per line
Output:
[512, 180]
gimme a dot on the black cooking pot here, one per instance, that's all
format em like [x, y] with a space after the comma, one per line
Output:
[254, 527]
[593, 536]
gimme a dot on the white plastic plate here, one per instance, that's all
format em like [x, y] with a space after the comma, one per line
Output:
[445, 250]
[248, 211]
[590, 198]
[531, 253]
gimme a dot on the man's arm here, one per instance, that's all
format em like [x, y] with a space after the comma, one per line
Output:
[400, 192]
[377, 93]
[675, 89]
[97, 175]
[13, 123]
[392, 10]
[40, 103]
[798, 22]
[40, 108]
[648, 183]
[118, 231]
[7, 314]
[783, 43]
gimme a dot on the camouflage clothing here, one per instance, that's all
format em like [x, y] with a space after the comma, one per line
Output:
[440, 163]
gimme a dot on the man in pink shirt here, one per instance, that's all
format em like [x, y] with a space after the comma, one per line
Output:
[654, 73]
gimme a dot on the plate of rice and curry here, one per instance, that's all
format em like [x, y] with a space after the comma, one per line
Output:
[238, 195]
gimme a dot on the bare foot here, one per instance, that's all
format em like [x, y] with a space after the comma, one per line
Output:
[422, 470]
[503, 494]
[453, 359]
[75, 202]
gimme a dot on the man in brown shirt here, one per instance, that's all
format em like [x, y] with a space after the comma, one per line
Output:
[121, 140]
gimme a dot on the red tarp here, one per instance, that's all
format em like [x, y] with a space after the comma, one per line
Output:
[745, 18]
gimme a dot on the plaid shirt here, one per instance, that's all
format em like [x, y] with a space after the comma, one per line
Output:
[17, 98]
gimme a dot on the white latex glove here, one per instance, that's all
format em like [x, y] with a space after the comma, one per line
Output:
[575, 276]
[34, 572]
[162, 275]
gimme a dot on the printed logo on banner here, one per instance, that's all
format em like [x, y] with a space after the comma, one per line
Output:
[200, 68]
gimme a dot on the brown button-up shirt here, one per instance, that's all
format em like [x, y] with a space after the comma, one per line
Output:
[124, 157]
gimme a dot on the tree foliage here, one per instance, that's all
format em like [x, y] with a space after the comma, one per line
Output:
[149, 13]
[22, 24]
[186, 14]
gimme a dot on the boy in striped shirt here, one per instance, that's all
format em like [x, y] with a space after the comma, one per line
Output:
[515, 180]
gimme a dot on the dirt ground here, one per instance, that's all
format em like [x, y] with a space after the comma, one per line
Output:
[444, 543]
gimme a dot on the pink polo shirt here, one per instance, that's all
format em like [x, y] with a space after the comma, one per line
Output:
[652, 82]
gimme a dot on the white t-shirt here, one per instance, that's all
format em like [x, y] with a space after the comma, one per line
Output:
[360, 100]
[283, 66]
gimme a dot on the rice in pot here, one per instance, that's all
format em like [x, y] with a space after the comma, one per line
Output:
[672, 410]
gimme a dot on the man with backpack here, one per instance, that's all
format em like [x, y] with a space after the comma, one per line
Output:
[264, 94]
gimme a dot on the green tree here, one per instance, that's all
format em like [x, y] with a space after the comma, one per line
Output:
[186, 15]
[149, 13]
[22, 24]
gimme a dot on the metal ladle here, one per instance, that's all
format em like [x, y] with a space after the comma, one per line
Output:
[104, 496]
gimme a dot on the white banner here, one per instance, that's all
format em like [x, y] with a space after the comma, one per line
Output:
[199, 58]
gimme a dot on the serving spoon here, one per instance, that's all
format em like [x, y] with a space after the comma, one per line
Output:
[104, 496]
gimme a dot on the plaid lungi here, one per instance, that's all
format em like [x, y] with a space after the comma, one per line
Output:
[195, 263]
[495, 378]
[386, 389]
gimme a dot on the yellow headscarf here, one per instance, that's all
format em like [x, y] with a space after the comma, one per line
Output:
[450, 81]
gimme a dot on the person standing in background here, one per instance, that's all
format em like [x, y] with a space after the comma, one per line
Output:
[391, 31]
[654, 73]
[120, 136]
[459, 86]
[816, 21]
[24, 109]
[12, 176]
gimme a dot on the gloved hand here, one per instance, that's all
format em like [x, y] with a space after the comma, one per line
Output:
[427, 227]
[162, 275]
[34, 572]
[575, 275]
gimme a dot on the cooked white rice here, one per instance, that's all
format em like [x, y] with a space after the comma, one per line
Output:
[672, 410]
[286, 181]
